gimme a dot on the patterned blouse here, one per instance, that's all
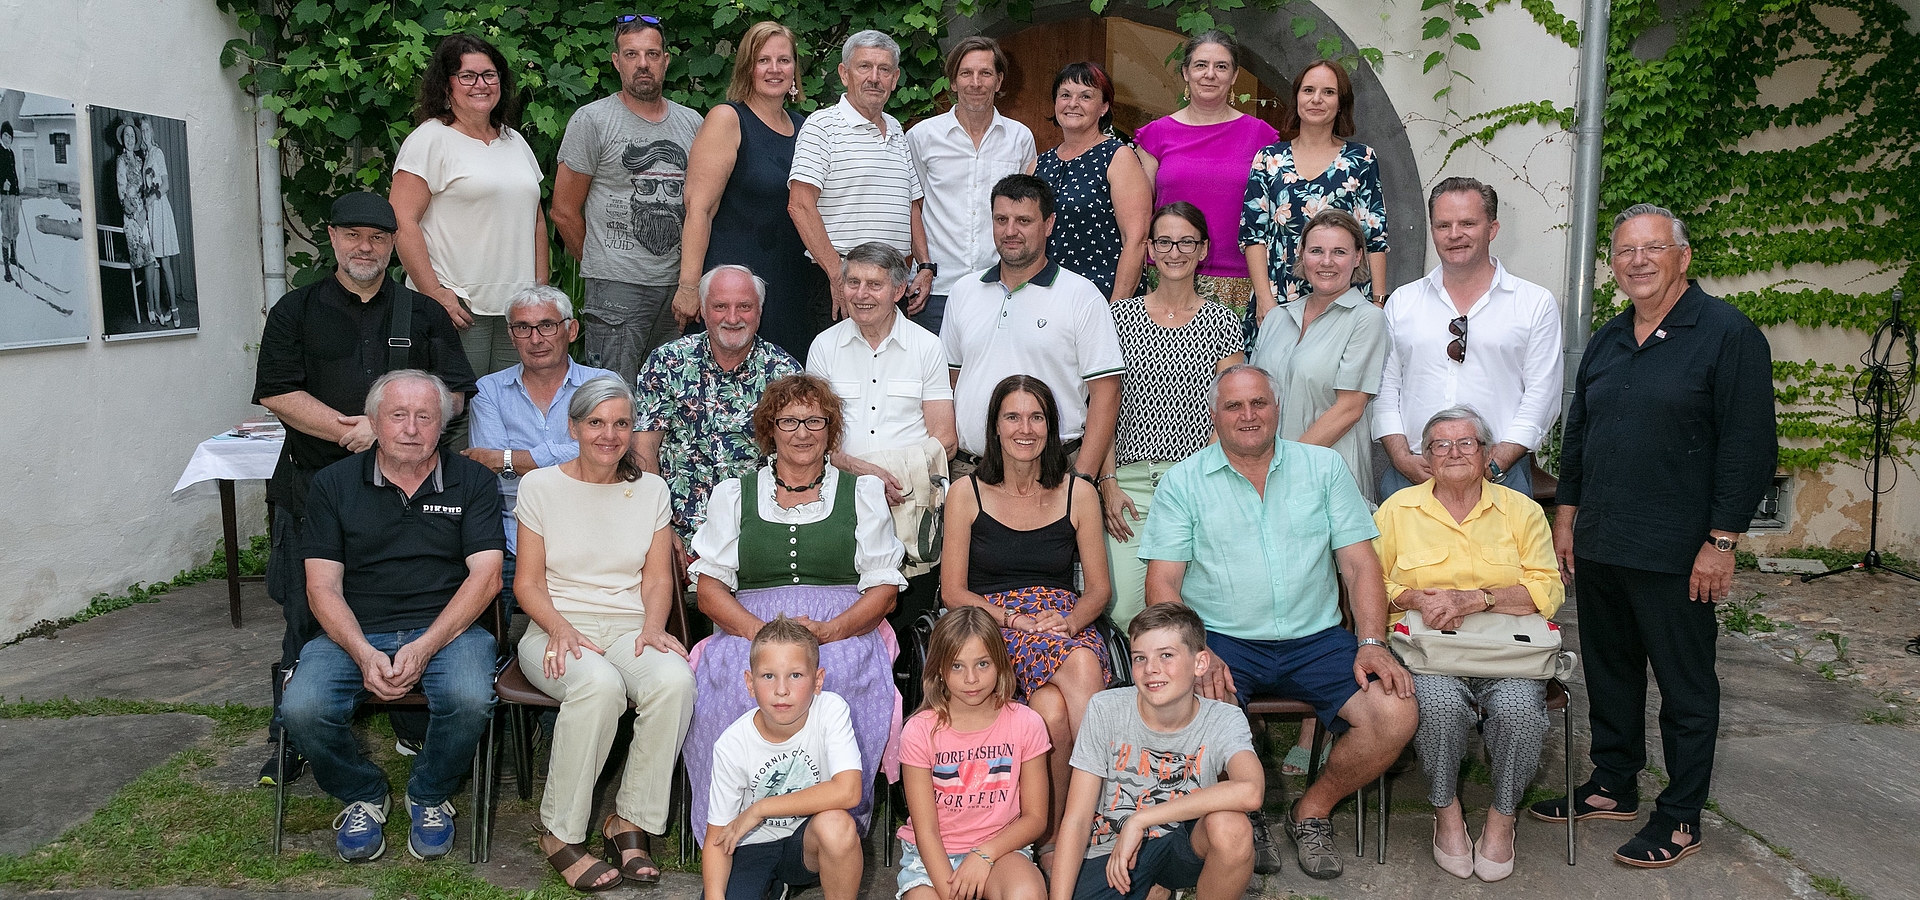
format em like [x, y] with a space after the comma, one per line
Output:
[707, 414]
[1163, 401]
[1280, 200]
[1086, 234]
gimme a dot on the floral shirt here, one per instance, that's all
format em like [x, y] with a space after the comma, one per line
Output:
[1280, 201]
[706, 413]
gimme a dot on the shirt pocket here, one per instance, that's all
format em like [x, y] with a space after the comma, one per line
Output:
[1419, 567]
[1499, 565]
[903, 399]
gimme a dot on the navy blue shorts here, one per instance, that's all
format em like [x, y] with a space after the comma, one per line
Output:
[758, 866]
[1168, 861]
[1316, 669]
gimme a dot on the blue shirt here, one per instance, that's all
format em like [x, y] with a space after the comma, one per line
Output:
[505, 417]
[1260, 566]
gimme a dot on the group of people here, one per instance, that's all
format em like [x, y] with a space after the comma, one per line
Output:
[1060, 446]
[146, 218]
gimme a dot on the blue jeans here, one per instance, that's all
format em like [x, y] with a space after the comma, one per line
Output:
[1520, 478]
[320, 701]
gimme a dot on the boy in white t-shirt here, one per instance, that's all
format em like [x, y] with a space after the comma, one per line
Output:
[1148, 804]
[785, 775]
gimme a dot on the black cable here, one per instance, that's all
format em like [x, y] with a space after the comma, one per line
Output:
[1886, 386]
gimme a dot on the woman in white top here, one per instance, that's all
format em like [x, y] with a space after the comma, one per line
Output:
[596, 577]
[799, 538]
[466, 192]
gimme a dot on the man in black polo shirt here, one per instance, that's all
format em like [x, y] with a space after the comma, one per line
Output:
[1669, 445]
[403, 552]
[323, 346]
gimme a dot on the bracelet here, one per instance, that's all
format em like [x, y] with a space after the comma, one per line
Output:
[1376, 642]
[989, 859]
[1104, 479]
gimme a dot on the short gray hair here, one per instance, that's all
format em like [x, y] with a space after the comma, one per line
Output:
[1461, 413]
[1213, 390]
[378, 391]
[1647, 209]
[877, 40]
[595, 392]
[881, 256]
[542, 294]
[759, 284]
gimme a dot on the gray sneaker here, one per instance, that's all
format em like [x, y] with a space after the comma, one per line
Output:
[1266, 857]
[1313, 841]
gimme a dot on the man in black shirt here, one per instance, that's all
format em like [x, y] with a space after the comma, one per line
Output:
[323, 346]
[1668, 447]
[403, 552]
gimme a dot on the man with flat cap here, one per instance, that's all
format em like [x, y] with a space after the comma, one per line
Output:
[323, 347]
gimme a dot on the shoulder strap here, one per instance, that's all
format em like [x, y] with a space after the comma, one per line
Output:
[977, 502]
[399, 328]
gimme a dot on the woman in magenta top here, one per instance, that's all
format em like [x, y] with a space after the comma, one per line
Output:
[1202, 154]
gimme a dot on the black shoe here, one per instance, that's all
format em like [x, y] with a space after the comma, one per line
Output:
[1266, 859]
[277, 751]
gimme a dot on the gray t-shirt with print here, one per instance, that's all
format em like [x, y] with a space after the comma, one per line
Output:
[637, 199]
[1142, 767]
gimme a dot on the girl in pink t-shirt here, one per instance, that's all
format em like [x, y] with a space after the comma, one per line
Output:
[975, 767]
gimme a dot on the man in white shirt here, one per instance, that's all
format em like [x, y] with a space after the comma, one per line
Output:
[852, 179]
[1028, 316]
[1469, 334]
[959, 156]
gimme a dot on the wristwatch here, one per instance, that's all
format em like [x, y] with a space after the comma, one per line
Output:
[1724, 544]
[1495, 474]
[929, 268]
[506, 469]
[1489, 593]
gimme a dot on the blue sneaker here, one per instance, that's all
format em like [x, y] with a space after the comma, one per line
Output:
[432, 833]
[357, 834]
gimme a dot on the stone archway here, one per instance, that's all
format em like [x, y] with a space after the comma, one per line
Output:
[1274, 56]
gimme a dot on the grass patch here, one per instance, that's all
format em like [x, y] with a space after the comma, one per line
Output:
[1744, 617]
[253, 561]
[232, 722]
[1835, 888]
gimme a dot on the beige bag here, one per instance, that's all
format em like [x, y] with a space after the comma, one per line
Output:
[1485, 645]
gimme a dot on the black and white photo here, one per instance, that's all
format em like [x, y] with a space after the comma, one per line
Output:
[40, 225]
[143, 223]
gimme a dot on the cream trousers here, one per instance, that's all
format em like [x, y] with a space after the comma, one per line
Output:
[593, 693]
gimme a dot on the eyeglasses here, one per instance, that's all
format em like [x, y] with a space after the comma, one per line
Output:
[523, 329]
[1186, 245]
[469, 79]
[789, 423]
[1467, 446]
[631, 18]
[1457, 348]
[1650, 251]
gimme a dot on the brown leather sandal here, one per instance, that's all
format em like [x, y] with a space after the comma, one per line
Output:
[568, 854]
[615, 849]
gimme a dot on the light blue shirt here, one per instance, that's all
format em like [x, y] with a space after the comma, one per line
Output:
[1260, 566]
[505, 417]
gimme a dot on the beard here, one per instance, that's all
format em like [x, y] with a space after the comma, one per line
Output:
[363, 271]
[656, 225]
[643, 91]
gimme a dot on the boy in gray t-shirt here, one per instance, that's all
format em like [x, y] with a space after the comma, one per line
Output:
[1147, 804]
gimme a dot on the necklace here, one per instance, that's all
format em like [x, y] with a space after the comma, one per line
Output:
[803, 488]
[1174, 313]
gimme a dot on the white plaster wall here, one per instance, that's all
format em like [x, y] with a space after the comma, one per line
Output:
[102, 431]
[1530, 166]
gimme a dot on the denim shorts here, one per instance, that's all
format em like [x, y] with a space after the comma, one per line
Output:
[1317, 669]
[913, 870]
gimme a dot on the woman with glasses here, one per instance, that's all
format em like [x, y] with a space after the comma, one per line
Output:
[1452, 547]
[737, 191]
[798, 538]
[1174, 341]
[466, 192]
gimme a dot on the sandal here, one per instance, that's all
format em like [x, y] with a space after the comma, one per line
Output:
[1625, 809]
[568, 854]
[616, 846]
[1300, 758]
[1653, 847]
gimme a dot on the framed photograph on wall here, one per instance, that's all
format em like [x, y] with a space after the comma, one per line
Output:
[41, 233]
[143, 224]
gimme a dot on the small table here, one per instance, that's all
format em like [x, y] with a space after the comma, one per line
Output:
[226, 458]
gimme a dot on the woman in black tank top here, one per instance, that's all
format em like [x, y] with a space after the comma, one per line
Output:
[1014, 533]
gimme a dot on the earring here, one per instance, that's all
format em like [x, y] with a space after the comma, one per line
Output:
[1186, 95]
[793, 93]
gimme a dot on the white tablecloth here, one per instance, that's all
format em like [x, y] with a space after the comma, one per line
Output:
[233, 458]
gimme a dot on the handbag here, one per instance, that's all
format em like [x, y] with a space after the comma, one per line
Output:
[1484, 645]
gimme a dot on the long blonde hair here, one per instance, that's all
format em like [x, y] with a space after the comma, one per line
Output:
[740, 89]
[950, 635]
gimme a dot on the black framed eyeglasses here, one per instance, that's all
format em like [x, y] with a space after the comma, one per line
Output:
[1167, 245]
[1457, 348]
[469, 79]
[523, 329]
[790, 423]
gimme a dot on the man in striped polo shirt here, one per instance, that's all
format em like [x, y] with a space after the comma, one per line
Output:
[853, 179]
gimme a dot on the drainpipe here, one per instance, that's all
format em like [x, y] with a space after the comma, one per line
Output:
[1586, 190]
[273, 235]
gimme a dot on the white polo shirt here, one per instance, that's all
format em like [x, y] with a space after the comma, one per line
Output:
[957, 211]
[1512, 373]
[881, 390]
[866, 178]
[1056, 328]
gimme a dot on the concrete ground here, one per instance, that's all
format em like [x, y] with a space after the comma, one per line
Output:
[1797, 769]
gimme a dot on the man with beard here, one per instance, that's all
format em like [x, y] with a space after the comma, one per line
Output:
[693, 415]
[959, 155]
[1028, 316]
[322, 349]
[617, 201]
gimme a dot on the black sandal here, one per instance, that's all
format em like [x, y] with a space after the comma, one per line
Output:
[1653, 847]
[616, 847]
[1625, 809]
[568, 854]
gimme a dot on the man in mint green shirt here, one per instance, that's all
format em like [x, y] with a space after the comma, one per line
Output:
[1249, 533]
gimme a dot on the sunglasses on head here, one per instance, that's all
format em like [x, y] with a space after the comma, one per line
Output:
[630, 19]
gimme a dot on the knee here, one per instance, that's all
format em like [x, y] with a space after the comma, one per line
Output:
[1081, 669]
[1519, 721]
[307, 710]
[464, 698]
[670, 682]
[835, 831]
[597, 688]
[1049, 704]
[1229, 836]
